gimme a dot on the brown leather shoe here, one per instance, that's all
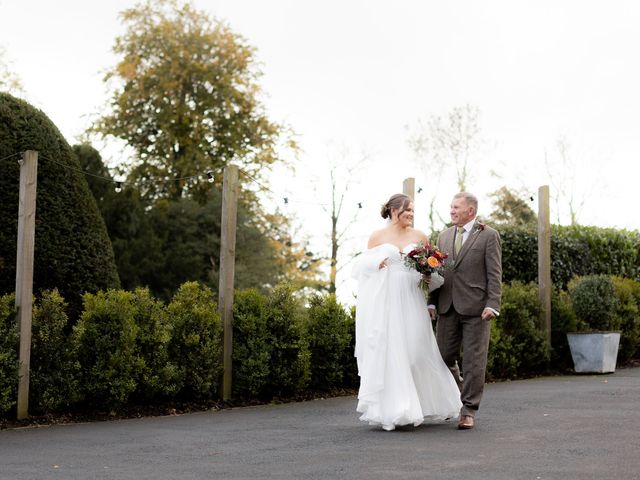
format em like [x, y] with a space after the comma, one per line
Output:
[466, 422]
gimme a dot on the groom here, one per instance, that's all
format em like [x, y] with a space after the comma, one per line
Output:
[468, 300]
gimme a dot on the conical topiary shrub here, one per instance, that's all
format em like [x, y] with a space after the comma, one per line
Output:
[72, 250]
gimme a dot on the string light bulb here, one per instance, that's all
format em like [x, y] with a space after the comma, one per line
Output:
[118, 187]
[359, 204]
[286, 200]
[419, 189]
[210, 178]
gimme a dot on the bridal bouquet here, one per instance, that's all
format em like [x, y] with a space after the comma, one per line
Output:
[425, 259]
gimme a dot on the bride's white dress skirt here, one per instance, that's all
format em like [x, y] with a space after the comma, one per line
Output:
[403, 379]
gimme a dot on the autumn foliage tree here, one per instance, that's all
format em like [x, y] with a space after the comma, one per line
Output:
[511, 208]
[9, 81]
[186, 100]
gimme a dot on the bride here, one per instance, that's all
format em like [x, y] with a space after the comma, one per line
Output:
[403, 379]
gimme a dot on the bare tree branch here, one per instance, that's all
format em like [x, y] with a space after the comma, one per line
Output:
[450, 144]
[341, 175]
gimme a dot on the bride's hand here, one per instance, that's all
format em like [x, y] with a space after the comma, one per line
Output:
[426, 279]
[383, 263]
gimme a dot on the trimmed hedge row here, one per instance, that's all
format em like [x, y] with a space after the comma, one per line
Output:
[128, 348]
[131, 349]
[575, 251]
[593, 302]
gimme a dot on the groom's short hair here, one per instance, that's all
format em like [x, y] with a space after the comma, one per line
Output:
[470, 198]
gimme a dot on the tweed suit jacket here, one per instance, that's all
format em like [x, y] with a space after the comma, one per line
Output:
[473, 278]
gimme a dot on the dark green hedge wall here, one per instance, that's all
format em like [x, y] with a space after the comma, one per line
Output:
[575, 250]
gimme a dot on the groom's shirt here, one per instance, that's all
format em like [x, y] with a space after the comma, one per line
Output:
[468, 227]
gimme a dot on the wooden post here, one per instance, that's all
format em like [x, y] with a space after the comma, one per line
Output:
[409, 188]
[24, 271]
[227, 270]
[544, 259]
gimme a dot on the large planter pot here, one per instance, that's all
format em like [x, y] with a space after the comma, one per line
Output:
[594, 352]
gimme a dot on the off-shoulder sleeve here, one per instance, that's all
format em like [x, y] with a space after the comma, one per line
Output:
[368, 263]
[371, 320]
[437, 281]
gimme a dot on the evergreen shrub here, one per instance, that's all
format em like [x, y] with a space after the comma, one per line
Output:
[575, 251]
[104, 340]
[627, 293]
[251, 344]
[563, 320]
[595, 303]
[72, 250]
[351, 377]
[196, 341]
[289, 365]
[53, 381]
[329, 335]
[8, 353]
[159, 376]
[518, 347]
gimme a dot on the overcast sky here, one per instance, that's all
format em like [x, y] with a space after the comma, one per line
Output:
[357, 75]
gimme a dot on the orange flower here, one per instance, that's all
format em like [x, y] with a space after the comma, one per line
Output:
[433, 262]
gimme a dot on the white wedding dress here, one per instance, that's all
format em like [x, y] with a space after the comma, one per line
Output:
[403, 379]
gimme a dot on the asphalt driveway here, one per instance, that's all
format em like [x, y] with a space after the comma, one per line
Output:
[572, 427]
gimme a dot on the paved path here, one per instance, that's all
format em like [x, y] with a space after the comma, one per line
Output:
[573, 427]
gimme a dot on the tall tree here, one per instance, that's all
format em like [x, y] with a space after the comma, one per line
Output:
[297, 263]
[342, 172]
[186, 99]
[97, 174]
[9, 80]
[511, 208]
[165, 243]
[451, 142]
[564, 175]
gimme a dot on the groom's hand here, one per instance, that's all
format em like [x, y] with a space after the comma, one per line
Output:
[488, 314]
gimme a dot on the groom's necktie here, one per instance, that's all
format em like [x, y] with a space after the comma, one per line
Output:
[458, 244]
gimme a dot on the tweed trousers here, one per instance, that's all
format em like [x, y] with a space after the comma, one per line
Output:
[472, 333]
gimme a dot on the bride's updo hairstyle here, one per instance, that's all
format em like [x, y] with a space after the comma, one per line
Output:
[399, 201]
